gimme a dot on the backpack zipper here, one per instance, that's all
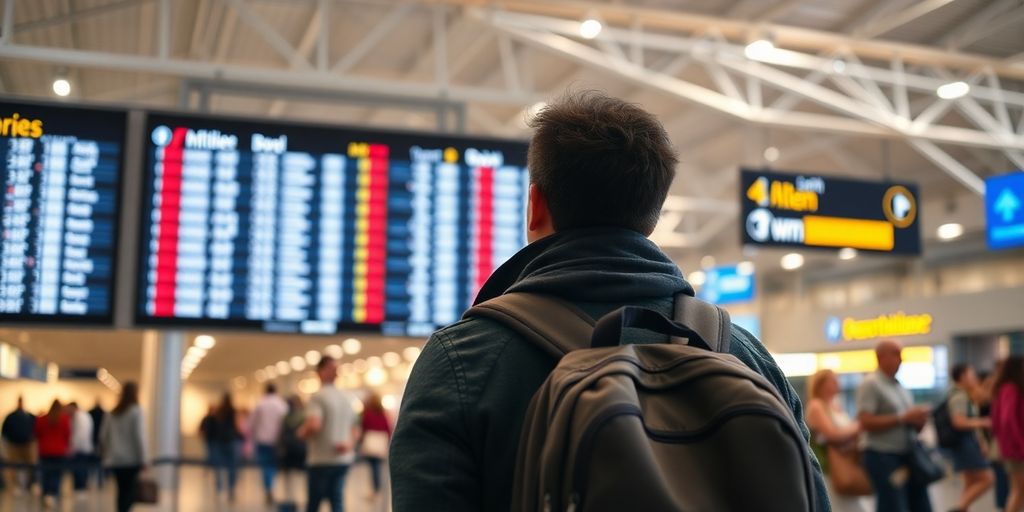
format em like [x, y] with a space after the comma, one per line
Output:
[587, 440]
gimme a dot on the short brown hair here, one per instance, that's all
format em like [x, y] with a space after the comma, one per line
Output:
[600, 161]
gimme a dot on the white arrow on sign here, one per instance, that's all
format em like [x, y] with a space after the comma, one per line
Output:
[1007, 205]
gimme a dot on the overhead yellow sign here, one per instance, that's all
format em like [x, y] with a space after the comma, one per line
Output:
[815, 211]
[882, 326]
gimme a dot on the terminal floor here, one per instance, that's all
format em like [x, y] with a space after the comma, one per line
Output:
[197, 495]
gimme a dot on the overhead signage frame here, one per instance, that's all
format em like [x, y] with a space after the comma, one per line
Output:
[806, 210]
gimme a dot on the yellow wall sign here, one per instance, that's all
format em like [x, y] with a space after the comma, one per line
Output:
[882, 326]
[849, 361]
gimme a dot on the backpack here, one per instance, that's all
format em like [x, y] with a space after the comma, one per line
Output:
[948, 436]
[675, 426]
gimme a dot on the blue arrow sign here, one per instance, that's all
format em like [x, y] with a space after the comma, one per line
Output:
[1004, 198]
[1007, 205]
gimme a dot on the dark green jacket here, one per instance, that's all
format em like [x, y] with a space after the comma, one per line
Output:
[454, 447]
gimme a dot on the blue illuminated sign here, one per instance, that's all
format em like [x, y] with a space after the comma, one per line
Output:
[1004, 210]
[725, 285]
[834, 329]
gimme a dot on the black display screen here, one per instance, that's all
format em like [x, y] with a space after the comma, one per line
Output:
[302, 228]
[61, 171]
[817, 211]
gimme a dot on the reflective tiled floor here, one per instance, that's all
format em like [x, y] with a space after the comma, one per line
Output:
[197, 495]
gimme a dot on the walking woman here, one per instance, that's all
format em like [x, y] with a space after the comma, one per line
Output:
[1008, 426]
[226, 444]
[834, 440]
[123, 437]
[53, 433]
[376, 438]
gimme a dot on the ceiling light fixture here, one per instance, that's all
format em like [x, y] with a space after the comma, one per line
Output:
[950, 231]
[62, 87]
[351, 346]
[590, 28]
[771, 154]
[953, 90]
[792, 261]
[847, 253]
[334, 351]
[411, 354]
[391, 359]
[205, 341]
[313, 357]
[761, 50]
[745, 268]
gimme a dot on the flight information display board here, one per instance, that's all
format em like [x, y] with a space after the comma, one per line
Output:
[806, 210]
[61, 175]
[299, 228]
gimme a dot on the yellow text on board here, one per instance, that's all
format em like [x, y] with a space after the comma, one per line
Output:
[785, 195]
[17, 126]
[896, 324]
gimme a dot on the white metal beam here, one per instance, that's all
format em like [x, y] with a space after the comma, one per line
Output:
[739, 30]
[779, 57]
[163, 34]
[509, 66]
[950, 165]
[278, 43]
[310, 41]
[7, 32]
[259, 76]
[969, 30]
[893, 21]
[372, 38]
[323, 41]
[78, 15]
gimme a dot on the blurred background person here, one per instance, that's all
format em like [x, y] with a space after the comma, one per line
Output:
[330, 431]
[206, 431]
[291, 447]
[123, 439]
[983, 398]
[97, 414]
[834, 439]
[265, 425]
[81, 447]
[18, 437]
[225, 446]
[53, 433]
[376, 429]
[886, 411]
[968, 454]
[1008, 426]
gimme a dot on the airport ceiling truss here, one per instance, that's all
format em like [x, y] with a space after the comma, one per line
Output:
[848, 83]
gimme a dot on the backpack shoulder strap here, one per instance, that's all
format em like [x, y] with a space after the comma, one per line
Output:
[554, 325]
[710, 321]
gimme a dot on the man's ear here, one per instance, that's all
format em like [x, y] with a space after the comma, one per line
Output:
[537, 215]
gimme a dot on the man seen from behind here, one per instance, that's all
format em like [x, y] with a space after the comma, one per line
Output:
[600, 170]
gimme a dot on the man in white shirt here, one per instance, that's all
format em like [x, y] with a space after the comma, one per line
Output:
[81, 448]
[265, 425]
[887, 413]
[330, 432]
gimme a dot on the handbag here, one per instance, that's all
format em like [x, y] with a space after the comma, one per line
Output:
[375, 444]
[925, 464]
[147, 492]
[846, 473]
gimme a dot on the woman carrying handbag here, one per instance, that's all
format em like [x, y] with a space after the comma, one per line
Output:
[834, 440]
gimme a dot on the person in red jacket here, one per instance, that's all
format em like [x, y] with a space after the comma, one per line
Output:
[1008, 426]
[376, 437]
[53, 436]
